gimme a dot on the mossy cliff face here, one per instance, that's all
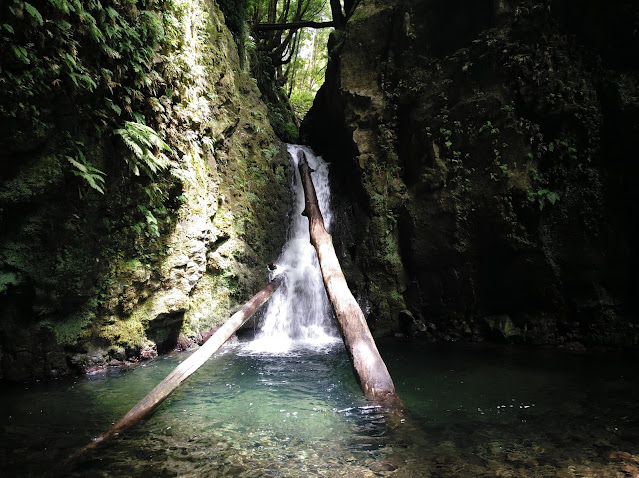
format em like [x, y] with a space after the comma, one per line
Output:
[484, 158]
[89, 279]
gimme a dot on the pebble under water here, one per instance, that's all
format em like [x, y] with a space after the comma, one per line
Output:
[475, 410]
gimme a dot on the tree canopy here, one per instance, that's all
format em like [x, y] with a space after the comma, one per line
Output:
[293, 35]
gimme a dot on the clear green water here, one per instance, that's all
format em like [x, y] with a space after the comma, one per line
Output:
[474, 411]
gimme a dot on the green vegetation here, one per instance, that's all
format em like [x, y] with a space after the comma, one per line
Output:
[305, 72]
[133, 145]
[294, 57]
[142, 141]
[101, 59]
[93, 176]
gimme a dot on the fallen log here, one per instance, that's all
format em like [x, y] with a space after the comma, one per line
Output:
[185, 369]
[370, 369]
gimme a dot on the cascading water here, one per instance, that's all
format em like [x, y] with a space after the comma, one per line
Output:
[299, 312]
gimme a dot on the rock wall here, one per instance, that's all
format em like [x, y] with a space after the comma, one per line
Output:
[88, 280]
[484, 155]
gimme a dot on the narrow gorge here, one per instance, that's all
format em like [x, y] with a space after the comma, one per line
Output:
[474, 164]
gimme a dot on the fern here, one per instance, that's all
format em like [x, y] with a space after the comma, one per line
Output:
[22, 54]
[34, 13]
[93, 176]
[113, 14]
[143, 141]
[61, 5]
[151, 221]
[113, 106]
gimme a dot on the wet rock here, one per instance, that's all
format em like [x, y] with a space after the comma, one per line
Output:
[184, 343]
[206, 336]
[472, 190]
[108, 270]
[95, 369]
[503, 329]
[148, 351]
[33, 356]
[624, 456]
[574, 346]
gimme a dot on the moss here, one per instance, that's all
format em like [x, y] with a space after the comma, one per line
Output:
[70, 330]
[8, 279]
[503, 326]
[281, 115]
[129, 333]
[210, 305]
[369, 9]
[35, 179]
[95, 270]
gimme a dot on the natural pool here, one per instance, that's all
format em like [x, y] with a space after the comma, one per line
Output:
[475, 410]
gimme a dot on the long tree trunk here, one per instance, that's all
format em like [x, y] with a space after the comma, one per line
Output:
[370, 369]
[186, 368]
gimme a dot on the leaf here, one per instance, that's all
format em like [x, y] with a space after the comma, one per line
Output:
[35, 14]
[81, 167]
[8, 28]
[552, 198]
[96, 34]
[112, 12]
[69, 60]
[110, 51]
[141, 140]
[91, 85]
[551, 146]
[21, 53]
[93, 176]
[114, 107]
[61, 5]
[93, 180]
[448, 144]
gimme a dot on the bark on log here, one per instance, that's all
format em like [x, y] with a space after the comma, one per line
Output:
[370, 369]
[186, 368]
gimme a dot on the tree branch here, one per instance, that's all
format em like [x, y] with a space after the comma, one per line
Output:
[264, 27]
[338, 15]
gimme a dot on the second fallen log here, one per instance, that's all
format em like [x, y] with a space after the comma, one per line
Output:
[370, 369]
[172, 381]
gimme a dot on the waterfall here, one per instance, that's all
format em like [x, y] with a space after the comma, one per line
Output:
[299, 312]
